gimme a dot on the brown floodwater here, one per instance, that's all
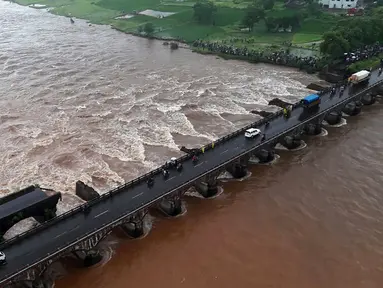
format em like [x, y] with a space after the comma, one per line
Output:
[88, 103]
[314, 219]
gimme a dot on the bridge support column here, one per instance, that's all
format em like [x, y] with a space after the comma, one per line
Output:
[313, 128]
[46, 215]
[208, 188]
[265, 156]
[89, 258]
[171, 205]
[353, 108]
[238, 170]
[368, 99]
[291, 142]
[37, 283]
[135, 226]
[333, 117]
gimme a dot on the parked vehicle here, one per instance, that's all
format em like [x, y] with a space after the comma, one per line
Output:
[311, 101]
[3, 258]
[362, 76]
[252, 132]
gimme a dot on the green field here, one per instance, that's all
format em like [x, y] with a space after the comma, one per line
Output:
[182, 26]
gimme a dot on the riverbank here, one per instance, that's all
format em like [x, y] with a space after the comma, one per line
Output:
[173, 20]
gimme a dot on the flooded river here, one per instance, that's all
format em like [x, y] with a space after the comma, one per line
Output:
[87, 103]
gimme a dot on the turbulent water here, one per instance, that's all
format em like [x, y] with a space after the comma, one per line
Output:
[88, 103]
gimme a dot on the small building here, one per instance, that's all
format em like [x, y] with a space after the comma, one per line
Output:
[339, 4]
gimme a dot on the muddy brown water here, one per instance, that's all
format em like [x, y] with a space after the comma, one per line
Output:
[88, 103]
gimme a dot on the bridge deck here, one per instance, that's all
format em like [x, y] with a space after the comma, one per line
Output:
[54, 238]
[20, 203]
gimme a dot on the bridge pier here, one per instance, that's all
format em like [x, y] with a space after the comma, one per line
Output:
[291, 142]
[208, 188]
[313, 129]
[89, 258]
[134, 227]
[171, 205]
[352, 108]
[37, 283]
[265, 156]
[368, 99]
[48, 214]
[238, 170]
[333, 118]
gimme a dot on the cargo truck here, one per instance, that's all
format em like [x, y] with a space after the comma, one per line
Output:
[311, 101]
[362, 76]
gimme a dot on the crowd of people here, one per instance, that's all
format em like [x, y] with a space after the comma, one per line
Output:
[282, 57]
[367, 51]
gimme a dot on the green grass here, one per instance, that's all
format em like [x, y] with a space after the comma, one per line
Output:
[49, 3]
[190, 32]
[301, 38]
[85, 9]
[316, 26]
[129, 6]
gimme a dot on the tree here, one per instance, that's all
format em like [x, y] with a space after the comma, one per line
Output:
[253, 15]
[314, 9]
[149, 28]
[269, 4]
[204, 11]
[334, 45]
[270, 23]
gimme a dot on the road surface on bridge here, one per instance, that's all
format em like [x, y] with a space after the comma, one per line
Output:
[29, 251]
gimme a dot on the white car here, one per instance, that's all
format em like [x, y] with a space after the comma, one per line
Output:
[3, 259]
[252, 132]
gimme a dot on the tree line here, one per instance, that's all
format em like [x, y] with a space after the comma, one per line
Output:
[352, 33]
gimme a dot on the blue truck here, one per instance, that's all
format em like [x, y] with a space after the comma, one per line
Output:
[311, 101]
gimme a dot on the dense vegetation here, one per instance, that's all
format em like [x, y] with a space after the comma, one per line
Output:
[352, 33]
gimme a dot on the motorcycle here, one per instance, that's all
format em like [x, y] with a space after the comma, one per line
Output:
[165, 173]
[179, 167]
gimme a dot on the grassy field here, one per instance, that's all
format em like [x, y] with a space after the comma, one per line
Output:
[182, 26]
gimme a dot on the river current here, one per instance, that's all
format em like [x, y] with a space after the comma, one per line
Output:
[88, 103]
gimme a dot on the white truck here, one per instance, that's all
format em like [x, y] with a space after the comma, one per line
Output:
[359, 77]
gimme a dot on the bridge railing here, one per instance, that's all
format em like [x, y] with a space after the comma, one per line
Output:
[157, 171]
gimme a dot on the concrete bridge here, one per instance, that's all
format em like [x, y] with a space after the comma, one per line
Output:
[79, 231]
